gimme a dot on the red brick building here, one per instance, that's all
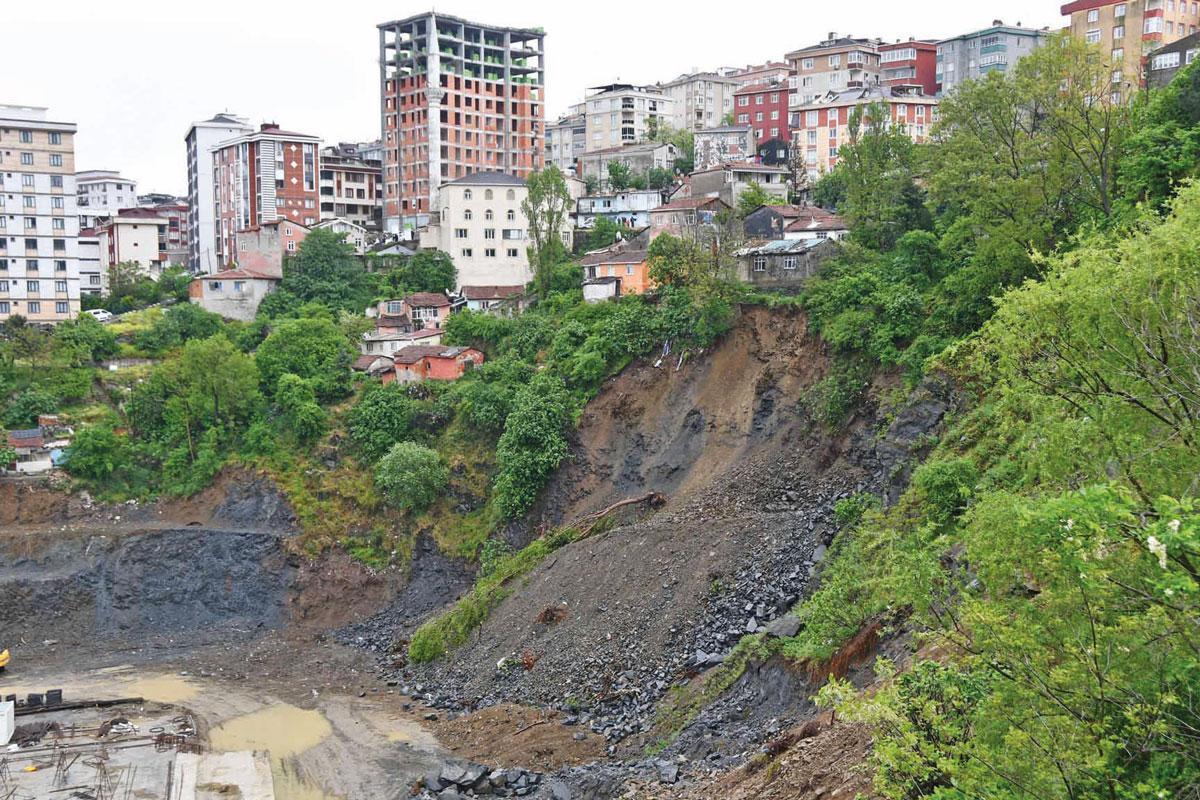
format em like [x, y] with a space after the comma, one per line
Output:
[434, 362]
[261, 178]
[457, 98]
[764, 107]
[909, 63]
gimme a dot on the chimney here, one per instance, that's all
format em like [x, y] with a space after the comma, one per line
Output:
[997, 22]
[832, 35]
[269, 126]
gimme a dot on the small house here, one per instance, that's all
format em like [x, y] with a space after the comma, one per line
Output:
[615, 272]
[428, 362]
[493, 299]
[783, 263]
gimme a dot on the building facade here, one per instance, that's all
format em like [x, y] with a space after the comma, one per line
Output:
[754, 74]
[629, 209]
[351, 186]
[835, 64]
[173, 239]
[1163, 64]
[93, 277]
[101, 193]
[260, 178]
[456, 98]
[621, 114]
[997, 48]
[699, 100]
[262, 249]
[39, 220]
[911, 63]
[639, 158]
[821, 127]
[1129, 31]
[729, 143]
[133, 237]
[764, 107]
[566, 141]
[481, 225]
[201, 138]
[728, 181]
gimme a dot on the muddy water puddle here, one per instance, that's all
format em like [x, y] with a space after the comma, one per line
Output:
[284, 731]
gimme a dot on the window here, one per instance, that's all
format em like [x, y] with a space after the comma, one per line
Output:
[27, 180]
[513, 252]
[59, 244]
[488, 215]
[26, 136]
[511, 216]
[489, 233]
[743, 102]
[29, 201]
[31, 244]
[58, 223]
[487, 194]
[1094, 15]
[3, 286]
[1153, 25]
[760, 263]
[214, 286]
[758, 100]
[55, 137]
[34, 307]
[55, 181]
[806, 63]
[1093, 36]
[467, 215]
[27, 159]
[835, 62]
[489, 252]
[1166, 61]
[1118, 54]
[31, 223]
[56, 159]
[1118, 32]
[629, 269]
[466, 194]
[239, 286]
[60, 266]
[61, 308]
[33, 287]
[291, 246]
[4, 307]
[460, 233]
[56, 202]
[1119, 10]
[467, 253]
[60, 286]
[790, 262]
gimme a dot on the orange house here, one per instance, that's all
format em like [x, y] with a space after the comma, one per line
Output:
[609, 274]
[434, 362]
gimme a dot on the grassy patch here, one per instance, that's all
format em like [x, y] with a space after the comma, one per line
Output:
[439, 635]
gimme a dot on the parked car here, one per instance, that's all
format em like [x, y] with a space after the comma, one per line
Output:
[99, 314]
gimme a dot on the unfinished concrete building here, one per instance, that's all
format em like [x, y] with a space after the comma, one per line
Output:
[456, 98]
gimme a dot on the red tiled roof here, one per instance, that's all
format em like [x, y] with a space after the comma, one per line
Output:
[414, 353]
[822, 221]
[427, 300]
[491, 292]
[363, 363]
[138, 213]
[619, 257]
[392, 321]
[686, 203]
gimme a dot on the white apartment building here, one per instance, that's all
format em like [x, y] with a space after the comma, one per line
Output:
[699, 99]
[622, 114]
[202, 218]
[833, 64]
[39, 221]
[132, 237]
[102, 193]
[480, 224]
[566, 141]
[93, 277]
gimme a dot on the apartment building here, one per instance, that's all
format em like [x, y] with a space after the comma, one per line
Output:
[754, 74]
[621, 114]
[822, 126]
[909, 63]
[764, 107]
[1163, 64]
[481, 225]
[996, 48]
[173, 238]
[201, 138]
[639, 158]
[351, 186]
[1129, 31]
[262, 177]
[699, 99]
[101, 193]
[39, 220]
[456, 98]
[566, 141]
[93, 278]
[835, 64]
[133, 236]
[723, 145]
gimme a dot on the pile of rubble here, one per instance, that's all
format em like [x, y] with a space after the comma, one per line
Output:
[456, 780]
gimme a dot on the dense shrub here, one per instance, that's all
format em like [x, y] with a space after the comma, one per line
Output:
[383, 416]
[532, 445]
[411, 476]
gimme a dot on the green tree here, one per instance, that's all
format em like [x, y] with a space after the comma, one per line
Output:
[384, 415]
[178, 324]
[84, 341]
[546, 207]
[619, 176]
[426, 271]
[326, 269]
[216, 382]
[411, 476]
[659, 178]
[24, 409]
[313, 349]
[96, 454]
[754, 197]
[604, 232]
[533, 444]
[298, 403]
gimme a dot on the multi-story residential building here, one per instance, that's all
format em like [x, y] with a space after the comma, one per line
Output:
[623, 114]
[754, 74]
[566, 141]
[351, 186]
[835, 64]
[764, 107]
[481, 224]
[729, 181]
[639, 158]
[133, 236]
[821, 127]
[262, 177]
[997, 48]
[39, 221]
[629, 209]
[909, 63]
[101, 193]
[201, 138]
[173, 238]
[456, 98]
[700, 99]
[723, 145]
[93, 278]
[1163, 64]
[1129, 31]
[354, 234]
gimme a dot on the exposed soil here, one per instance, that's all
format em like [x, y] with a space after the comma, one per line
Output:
[509, 734]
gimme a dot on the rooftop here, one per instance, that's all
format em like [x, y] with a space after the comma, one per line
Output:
[461, 21]
[491, 292]
[686, 203]
[487, 179]
[618, 257]
[427, 300]
[413, 354]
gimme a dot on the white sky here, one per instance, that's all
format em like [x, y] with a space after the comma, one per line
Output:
[134, 74]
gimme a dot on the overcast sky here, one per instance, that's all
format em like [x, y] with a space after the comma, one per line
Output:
[134, 74]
